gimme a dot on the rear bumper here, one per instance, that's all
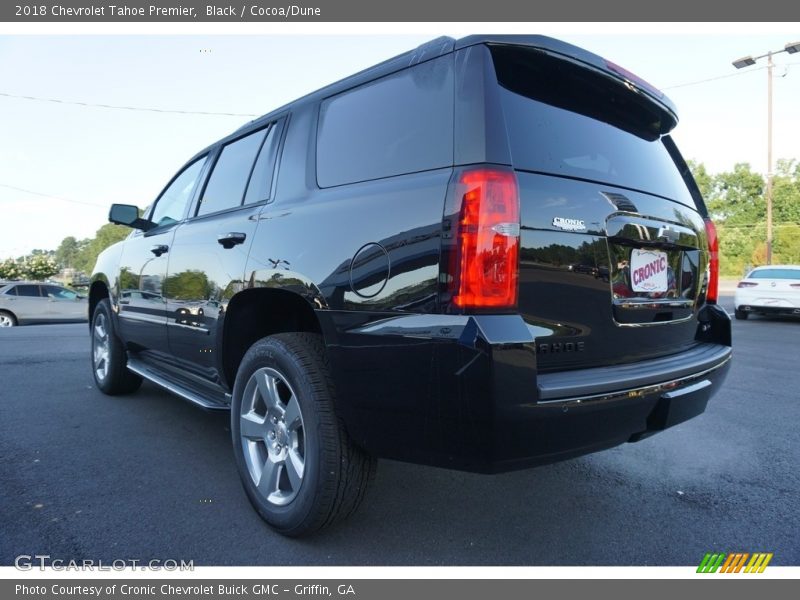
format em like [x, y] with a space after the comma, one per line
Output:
[463, 391]
[770, 310]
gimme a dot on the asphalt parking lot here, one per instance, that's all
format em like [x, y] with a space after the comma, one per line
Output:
[148, 476]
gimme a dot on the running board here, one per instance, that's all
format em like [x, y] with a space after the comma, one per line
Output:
[141, 369]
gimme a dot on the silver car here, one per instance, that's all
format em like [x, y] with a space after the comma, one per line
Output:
[23, 302]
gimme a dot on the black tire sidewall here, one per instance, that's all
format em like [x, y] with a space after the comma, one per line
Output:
[116, 354]
[271, 352]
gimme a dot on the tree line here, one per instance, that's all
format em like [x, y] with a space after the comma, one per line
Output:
[71, 253]
[737, 204]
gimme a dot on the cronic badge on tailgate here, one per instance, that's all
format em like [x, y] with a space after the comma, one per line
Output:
[569, 224]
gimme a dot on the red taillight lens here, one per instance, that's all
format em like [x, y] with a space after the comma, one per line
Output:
[485, 262]
[746, 284]
[713, 262]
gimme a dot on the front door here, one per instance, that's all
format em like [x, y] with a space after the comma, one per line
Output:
[143, 265]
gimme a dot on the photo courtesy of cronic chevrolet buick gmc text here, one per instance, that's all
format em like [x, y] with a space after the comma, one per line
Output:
[484, 254]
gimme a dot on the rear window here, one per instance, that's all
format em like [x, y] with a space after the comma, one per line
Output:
[401, 123]
[775, 274]
[566, 120]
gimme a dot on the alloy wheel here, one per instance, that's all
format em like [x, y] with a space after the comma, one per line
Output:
[272, 436]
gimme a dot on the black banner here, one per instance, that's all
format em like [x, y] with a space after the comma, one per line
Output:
[371, 589]
[133, 11]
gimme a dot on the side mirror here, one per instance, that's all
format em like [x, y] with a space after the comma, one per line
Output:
[128, 215]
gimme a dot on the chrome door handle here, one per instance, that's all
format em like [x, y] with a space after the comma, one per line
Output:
[229, 240]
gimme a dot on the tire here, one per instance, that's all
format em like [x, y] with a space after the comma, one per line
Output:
[109, 361]
[740, 314]
[298, 466]
[7, 319]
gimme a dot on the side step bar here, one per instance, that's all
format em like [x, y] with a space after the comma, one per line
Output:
[143, 370]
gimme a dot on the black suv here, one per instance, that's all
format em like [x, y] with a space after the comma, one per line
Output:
[484, 254]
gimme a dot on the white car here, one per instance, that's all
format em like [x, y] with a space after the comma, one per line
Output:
[24, 302]
[770, 290]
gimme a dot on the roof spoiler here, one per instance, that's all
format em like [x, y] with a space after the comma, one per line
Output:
[575, 54]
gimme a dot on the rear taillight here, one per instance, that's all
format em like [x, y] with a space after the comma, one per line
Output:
[713, 262]
[746, 284]
[484, 261]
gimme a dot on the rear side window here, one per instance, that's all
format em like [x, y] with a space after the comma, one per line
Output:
[775, 274]
[401, 123]
[28, 290]
[258, 189]
[567, 120]
[228, 181]
[12, 291]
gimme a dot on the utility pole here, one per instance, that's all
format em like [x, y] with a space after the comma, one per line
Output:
[746, 62]
[769, 158]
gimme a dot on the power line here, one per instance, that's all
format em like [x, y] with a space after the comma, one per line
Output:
[19, 189]
[118, 107]
[735, 74]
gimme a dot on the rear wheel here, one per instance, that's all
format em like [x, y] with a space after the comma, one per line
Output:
[109, 361]
[7, 319]
[740, 314]
[298, 466]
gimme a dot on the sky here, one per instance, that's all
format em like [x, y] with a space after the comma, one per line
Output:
[62, 165]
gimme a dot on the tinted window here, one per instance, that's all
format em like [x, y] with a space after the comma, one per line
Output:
[171, 205]
[28, 290]
[401, 123]
[775, 274]
[226, 186]
[568, 121]
[59, 292]
[261, 180]
[12, 291]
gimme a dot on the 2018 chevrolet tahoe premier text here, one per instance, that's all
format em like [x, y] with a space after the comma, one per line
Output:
[484, 254]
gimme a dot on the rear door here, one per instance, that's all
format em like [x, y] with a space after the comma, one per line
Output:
[208, 255]
[613, 246]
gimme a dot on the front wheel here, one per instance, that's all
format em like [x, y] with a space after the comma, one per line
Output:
[109, 361]
[298, 466]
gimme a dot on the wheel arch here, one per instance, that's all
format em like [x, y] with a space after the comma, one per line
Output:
[97, 292]
[257, 312]
[14, 316]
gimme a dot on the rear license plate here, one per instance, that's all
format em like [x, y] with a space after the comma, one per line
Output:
[649, 270]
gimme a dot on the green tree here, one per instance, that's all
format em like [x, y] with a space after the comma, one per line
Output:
[106, 236]
[738, 196]
[67, 252]
[704, 180]
[786, 192]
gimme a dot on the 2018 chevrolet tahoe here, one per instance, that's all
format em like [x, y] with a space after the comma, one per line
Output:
[483, 254]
